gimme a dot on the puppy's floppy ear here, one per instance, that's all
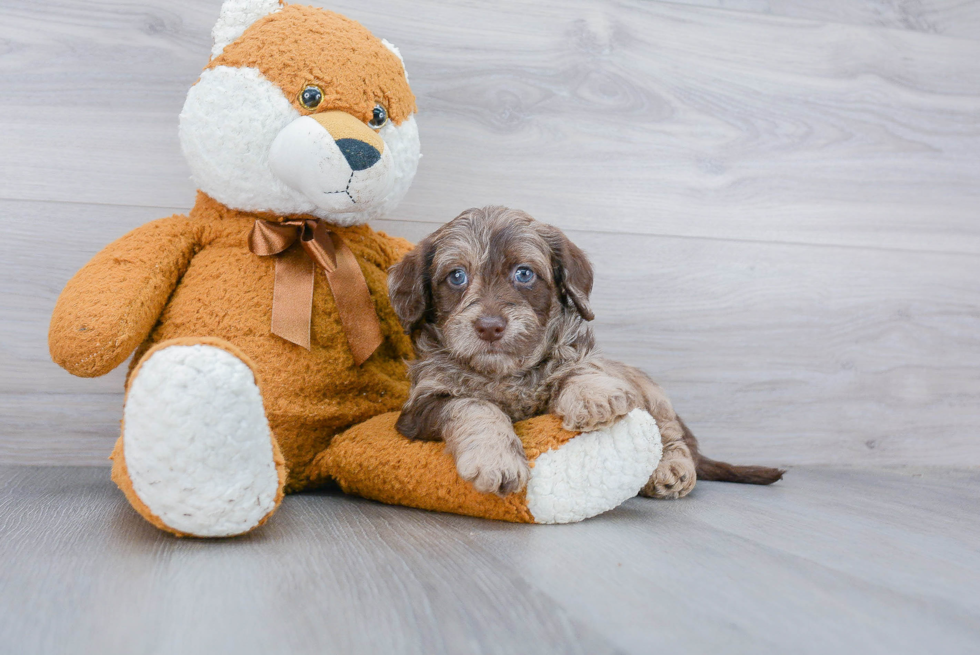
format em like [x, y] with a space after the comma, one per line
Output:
[572, 272]
[410, 286]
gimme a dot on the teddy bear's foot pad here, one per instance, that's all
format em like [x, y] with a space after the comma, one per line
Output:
[595, 471]
[197, 444]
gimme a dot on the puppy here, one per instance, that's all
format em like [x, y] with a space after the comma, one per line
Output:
[497, 306]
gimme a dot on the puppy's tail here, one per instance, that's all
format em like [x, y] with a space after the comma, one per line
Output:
[710, 469]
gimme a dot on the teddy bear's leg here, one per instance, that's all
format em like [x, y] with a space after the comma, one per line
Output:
[196, 456]
[573, 476]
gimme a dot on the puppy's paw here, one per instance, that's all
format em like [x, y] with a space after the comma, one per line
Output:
[494, 465]
[674, 478]
[591, 402]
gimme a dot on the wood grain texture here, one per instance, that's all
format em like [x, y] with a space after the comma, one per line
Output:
[624, 116]
[829, 561]
[60, 428]
[773, 353]
[826, 562]
[959, 18]
[793, 354]
[783, 212]
[331, 578]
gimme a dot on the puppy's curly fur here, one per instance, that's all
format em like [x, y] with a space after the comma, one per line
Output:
[497, 306]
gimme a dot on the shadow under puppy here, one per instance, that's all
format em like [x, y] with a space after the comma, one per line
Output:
[497, 304]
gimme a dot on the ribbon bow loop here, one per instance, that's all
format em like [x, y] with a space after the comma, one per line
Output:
[298, 246]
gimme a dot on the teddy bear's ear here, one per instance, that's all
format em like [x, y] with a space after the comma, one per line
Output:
[235, 17]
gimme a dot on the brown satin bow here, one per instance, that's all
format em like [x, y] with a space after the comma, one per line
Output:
[299, 245]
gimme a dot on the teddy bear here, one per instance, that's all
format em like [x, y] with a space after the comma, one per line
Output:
[266, 358]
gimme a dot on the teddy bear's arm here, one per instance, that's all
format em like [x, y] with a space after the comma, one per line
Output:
[109, 307]
[401, 248]
[394, 248]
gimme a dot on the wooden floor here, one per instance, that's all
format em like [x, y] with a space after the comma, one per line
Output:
[829, 561]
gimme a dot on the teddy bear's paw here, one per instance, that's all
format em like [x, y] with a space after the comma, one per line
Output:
[674, 478]
[590, 402]
[197, 445]
[594, 472]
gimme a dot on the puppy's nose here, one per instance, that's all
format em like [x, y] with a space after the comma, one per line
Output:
[490, 328]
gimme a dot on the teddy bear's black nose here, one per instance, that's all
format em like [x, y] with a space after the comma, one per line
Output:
[358, 154]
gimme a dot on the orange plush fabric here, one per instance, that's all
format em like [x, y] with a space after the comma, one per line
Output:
[285, 48]
[195, 276]
[109, 307]
[372, 460]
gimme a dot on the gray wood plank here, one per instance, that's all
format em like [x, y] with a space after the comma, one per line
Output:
[913, 531]
[775, 353]
[826, 561]
[959, 18]
[634, 116]
[800, 354]
[76, 429]
[328, 576]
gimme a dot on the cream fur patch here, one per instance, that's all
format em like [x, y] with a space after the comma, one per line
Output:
[228, 125]
[235, 17]
[595, 471]
[197, 443]
[305, 157]
[403, 142]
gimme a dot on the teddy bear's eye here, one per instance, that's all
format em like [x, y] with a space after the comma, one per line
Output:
[378, 117]
[311, 97]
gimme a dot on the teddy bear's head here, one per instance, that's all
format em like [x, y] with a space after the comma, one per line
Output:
[300, 111]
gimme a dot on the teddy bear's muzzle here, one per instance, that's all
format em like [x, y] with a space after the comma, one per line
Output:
[336, 161]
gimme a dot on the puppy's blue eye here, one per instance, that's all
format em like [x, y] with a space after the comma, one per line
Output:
[457, 277]
[523, 275]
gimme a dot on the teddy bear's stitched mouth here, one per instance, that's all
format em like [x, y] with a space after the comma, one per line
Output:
[345, 189]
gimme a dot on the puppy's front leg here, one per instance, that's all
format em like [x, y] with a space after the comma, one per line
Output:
[593, 399]
[482, 441]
